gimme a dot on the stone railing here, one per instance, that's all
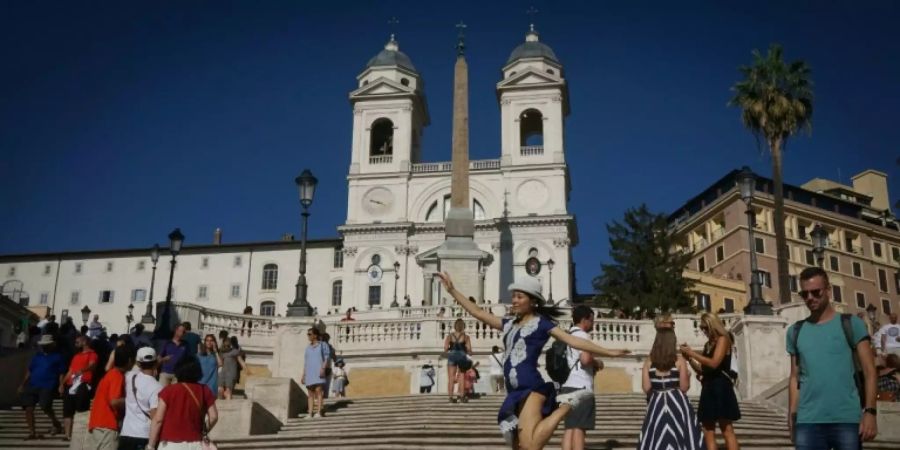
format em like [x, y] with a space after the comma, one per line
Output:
[531, 150]
[446, 166]
[254, 332]
[381, 159]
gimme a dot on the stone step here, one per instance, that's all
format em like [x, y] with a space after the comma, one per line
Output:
[36, 444]
[488, 410]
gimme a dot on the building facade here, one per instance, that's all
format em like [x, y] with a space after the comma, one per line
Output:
[396, 206]
[862, 257]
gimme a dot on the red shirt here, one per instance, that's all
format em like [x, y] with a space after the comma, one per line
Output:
[183, 414]
[111, 387]
[79, 362]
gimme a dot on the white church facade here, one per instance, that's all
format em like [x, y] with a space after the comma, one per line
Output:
[396, 206]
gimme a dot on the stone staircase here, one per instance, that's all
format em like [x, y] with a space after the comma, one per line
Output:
[430, 422]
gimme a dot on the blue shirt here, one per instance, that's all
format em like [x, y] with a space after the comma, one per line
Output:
[828, 391]
[192, 340]
[210, 367]
[176, 351]
[45, 369]
[315, 358]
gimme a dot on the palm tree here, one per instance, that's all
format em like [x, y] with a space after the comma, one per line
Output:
[776, 101]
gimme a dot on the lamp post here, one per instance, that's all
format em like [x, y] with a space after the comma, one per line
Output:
[154, 258]
[394, 304]
[85, 314]
[550, 264]
[163, 328]
[871, 311]
[746, 181]
[129, 318]
[819, 241]
[306, 183]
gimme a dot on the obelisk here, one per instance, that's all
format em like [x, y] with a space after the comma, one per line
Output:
[459, 255]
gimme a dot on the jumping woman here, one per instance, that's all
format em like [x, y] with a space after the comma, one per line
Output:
[532, 410]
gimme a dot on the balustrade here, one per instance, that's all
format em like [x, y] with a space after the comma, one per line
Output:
[381, 159]
[531, 150]
[447, 166]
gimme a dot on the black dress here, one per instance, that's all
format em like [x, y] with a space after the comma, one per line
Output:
[717, 398]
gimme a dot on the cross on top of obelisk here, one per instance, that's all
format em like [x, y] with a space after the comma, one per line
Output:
[461, 39]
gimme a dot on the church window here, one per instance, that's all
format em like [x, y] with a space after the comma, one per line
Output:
[376, 259]
[270, 277]
[477, 210]
[531, 128]
[374, 296]
[267, 308]
[338, 258]
[532, 252]
[337, 291]
[382, 138]
[404, 81]
[550, 71]
[432, 214]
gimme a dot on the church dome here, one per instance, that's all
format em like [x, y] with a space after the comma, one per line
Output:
[532, 48]
[391, 56]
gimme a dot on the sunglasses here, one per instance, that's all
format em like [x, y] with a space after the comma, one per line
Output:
[816, 293]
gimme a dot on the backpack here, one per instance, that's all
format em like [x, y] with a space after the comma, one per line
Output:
[556, 360]
[858, 377]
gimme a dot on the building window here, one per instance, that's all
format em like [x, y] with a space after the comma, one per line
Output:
[886, 306]
[78, 267]
[720, 253]
[201, 292]
[882, 280]
[876, 249]
[792, 281]
[74, 297]
[729, 305]
[895, 254]
[765, 278]
[238, 261]
[142, 265]
[106, 296]
[109, 266]
[45, 298]
[47, 269]
[11, 272]
[790, 253]
[760, 245]
[138, 295]
[235, 291]
[374, 296]
[531, 128]
[860, 300]
[337, 291]
[857, 269]
[701, 264]
[897, 282]
[204, 262]
[381, 139]
[835, 266]
[836, 293]
[267, 308]
[338, 258]
[703, 302]
[270, 277]
[810, 258]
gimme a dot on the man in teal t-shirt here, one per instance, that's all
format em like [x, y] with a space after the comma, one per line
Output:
[825, 408]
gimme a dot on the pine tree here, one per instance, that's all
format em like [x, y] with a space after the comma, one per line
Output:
[645, 272]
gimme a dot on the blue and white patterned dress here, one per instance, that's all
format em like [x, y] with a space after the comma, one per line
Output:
[523, 343]
[670, 423]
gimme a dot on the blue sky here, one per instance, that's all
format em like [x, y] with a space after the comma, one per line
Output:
[122, 120]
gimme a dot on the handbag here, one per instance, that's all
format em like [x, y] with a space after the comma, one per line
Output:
[205, 442]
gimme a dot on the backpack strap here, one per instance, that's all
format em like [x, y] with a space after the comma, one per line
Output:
[848, 334]
[570, 349]
[795, 339]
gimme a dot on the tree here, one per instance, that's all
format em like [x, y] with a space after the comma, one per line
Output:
[776, 101]
[645, 272]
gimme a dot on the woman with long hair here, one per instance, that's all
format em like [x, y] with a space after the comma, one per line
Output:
[186, 411]
[210, 362]
[458, 346]
[231, 359]
[315, 362]
[718, 403]
[670, 421]
[532, 410]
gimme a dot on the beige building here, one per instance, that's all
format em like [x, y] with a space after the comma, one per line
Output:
[862, 257]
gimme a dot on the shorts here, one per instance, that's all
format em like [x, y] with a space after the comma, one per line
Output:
[166, 379]
[132, 443]
[103, 439]
[584, 416]
[37, 396]
[80, 401]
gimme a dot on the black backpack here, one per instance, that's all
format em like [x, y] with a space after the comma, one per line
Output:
[858, 377]
[556, 361]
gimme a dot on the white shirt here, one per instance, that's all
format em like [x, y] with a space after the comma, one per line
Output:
[497, 363]
[581, 377]
[892, 331]
[136, 423]
[426, 377]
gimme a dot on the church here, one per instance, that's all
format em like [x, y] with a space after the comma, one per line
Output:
[397, 204]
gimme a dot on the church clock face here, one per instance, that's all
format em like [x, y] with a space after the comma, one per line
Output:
[378, 201]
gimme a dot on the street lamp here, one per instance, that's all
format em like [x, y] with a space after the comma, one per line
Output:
[550, 264]
[86, 314]
[163, 328]
[306, 183]
[871, 311]
[129, 318]
[746, 181]
[819, 241]
[154, 258]
[394, 304]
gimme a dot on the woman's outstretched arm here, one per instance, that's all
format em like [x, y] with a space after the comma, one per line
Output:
[470, 306]
[585, 345]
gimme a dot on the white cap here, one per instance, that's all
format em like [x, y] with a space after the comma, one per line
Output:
[146, 354]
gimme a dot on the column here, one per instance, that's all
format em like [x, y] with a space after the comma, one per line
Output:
[428, 280]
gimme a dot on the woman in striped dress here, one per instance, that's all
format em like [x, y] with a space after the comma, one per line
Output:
[670, 422]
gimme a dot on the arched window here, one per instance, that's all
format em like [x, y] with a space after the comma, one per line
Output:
[477, 210]
[382, 138]
[531, 128]
[438, 210]
[270, 277]
[267, 308]
[337, 291]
